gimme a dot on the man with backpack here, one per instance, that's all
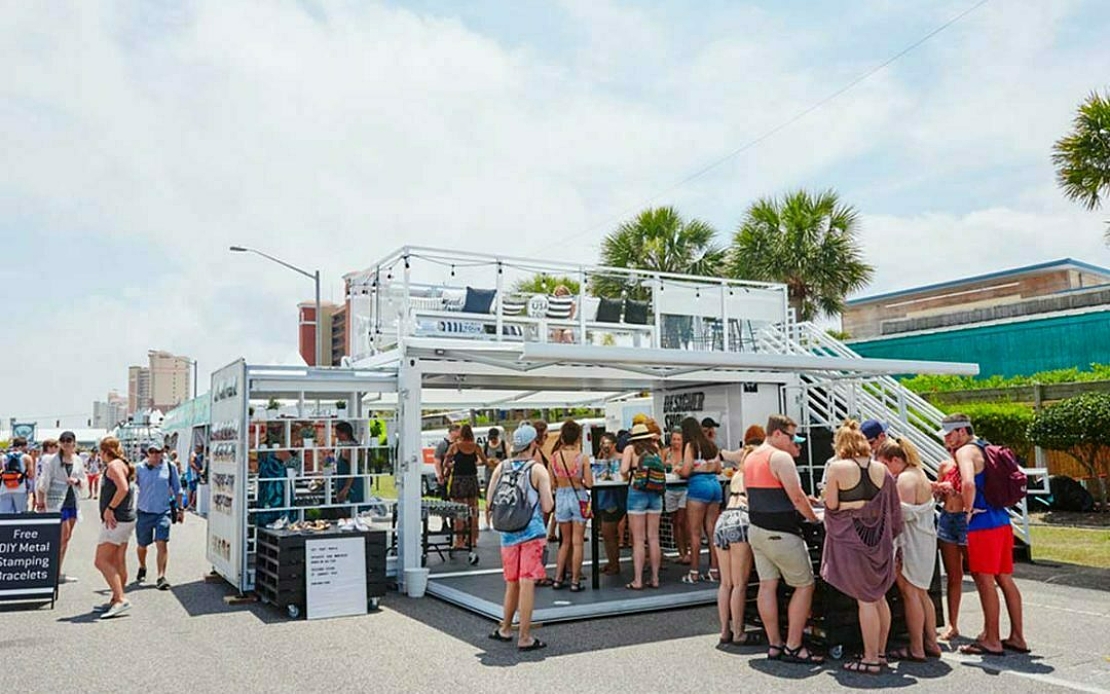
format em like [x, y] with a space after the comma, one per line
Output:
[159, 506]
[990, 539]
[16, 471]
[518, 496]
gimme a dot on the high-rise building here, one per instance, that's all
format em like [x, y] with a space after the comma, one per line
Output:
[169, 380]
[111, 412]
[138, 389]
[333, 323]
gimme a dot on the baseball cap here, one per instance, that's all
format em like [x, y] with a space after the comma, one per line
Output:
[523, 437]
[708, 422]
[799, 439]
[152, 446]
[872, 428]
[67, 436]
[948, 427]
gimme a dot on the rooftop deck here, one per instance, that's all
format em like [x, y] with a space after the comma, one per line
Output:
[424, 292]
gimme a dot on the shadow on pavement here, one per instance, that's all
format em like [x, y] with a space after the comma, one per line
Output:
[564, 638]
[1028, 664]
[1071, 575]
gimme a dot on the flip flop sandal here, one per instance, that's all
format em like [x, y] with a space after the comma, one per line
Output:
[653, 586]
[691, 578]
[630, 586]
[1008, 646]
[751, 638]
[544, 582]
[496, 636]
[863, 668]
[790, 655]
[534, 646]
[725, 640]
[576, 587]
[557, 585]
[904, 654]
[976, 648]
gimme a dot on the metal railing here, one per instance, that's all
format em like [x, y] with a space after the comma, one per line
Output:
[829, 400]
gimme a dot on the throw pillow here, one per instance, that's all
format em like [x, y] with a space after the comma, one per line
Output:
[635, 312]
[609, 311]
[478, 300]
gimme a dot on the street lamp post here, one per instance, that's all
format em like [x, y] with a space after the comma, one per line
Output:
[314, 276]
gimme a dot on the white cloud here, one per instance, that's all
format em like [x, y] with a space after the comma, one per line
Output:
[329, 143]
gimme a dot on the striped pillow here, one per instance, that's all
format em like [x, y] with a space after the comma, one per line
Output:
[513, 305]
[559, 307]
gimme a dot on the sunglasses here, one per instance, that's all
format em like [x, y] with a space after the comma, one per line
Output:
[67, 441]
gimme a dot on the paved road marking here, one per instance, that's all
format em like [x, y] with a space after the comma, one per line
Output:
[1068, 609]
[1037, 677]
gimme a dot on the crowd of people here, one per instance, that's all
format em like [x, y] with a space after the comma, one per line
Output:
[144, 500]
[878, 509]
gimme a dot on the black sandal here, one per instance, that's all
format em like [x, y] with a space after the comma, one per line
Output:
[557, 585]
[534, 646]
[863, 667]
[576, 587]
[496, 635]
[775, 656]
[750, 638]
[790, 655]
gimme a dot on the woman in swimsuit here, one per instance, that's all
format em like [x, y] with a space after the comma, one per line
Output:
[952, 540]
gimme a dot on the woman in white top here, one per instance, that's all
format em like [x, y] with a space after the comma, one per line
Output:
[917, 546]
[58, 489]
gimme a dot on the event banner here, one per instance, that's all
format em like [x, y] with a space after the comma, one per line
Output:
[29, 545]
[227, 472]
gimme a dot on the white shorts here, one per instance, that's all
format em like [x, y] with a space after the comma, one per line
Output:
[674, 499]
[118, 535]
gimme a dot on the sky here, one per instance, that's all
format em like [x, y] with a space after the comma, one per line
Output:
[138, 140]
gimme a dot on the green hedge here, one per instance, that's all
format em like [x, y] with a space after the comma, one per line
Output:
[947, 384]
[1005, 424]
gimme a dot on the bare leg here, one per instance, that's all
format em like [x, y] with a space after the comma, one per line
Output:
[798, 613]
[768, 603]
[695, 518]
[929, 634]
[564, 551]
[622, 530]
[740, 568]
[473, 504]
[724, 595]
[952, 556]
[638, 523]
[106, 565]
[870, 626]
[915, 617]
[681, 533]
[67, 532]
[512, 600]
[527, 603]
[163, 556]
[988, 595]
[121, 564]
[578, 550]
[1012, 596]
[140, 552]
[655, 552]
[711, 512]
[612, 546]
[884, 626]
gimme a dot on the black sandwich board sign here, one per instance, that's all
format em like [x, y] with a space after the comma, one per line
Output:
[29, 546]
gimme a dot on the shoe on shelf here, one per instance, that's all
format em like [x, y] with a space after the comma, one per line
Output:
[163, 584]
[140, 575]
[116, 609]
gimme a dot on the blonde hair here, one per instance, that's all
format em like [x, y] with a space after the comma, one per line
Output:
[901, 449]
[850, 442]
[111, 449]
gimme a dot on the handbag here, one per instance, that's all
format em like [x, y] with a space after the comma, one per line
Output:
[584, 507]
[173, 497]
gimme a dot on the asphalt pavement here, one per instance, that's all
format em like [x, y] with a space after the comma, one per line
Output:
[188, 638]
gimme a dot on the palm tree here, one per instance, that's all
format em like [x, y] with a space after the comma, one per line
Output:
[807, 242]
[544, 284]
[658, 239]
[1082, 157]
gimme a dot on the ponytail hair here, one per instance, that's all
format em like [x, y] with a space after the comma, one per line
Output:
[110, 449]
[902, 449]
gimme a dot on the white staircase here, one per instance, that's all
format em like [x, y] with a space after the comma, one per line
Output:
[828, 399]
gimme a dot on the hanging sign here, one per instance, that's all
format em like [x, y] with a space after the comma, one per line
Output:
[29, 547]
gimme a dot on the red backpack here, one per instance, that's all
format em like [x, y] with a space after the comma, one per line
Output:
[1004, 484]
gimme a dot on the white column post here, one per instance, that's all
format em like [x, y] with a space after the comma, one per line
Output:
[581, 305]
[725, 332]
[410, 467]
[656, 287]
[497, 302]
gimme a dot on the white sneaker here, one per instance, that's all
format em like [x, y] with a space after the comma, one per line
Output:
[67, 579]
[117, 609]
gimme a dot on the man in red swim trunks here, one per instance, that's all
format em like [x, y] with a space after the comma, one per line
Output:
[990, 543]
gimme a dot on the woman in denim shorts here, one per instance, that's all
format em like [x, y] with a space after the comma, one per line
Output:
[734, 556]
[644, 508]
[952, 539]
[701, 465]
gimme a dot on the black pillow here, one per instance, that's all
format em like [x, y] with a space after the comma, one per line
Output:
[609, 311]
[635, 312]
[478, 300]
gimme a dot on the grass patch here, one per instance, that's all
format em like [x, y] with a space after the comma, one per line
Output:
[1082, 546]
